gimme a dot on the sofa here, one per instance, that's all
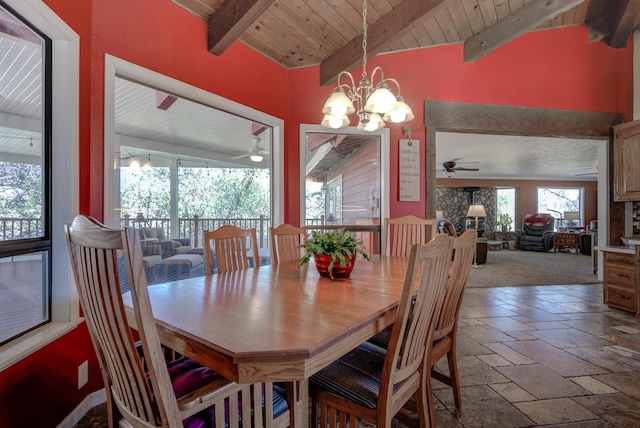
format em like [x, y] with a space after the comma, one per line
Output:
[165, 259]
[536, 233]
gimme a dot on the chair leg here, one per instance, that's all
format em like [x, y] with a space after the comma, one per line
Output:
[453, 376]
[428, 398]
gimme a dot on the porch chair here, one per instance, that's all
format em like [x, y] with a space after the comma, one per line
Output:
[285, 242]
[363, 385]
[228, 244]
[399, 234]
[148, 392]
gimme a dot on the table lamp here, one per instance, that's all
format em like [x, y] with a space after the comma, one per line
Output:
[476, 211]
[571, 217]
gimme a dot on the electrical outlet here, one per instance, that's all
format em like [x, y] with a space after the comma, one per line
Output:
[83, 374]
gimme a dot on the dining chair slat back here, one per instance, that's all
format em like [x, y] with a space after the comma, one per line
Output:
[139, 386]
[228, 244]
[401, 233]
[285, 243]
[345, 391]
[445, 333]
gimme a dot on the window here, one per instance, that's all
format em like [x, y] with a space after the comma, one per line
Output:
[25, 164]
[38, 160]
[560, 200]
[344, 178]
[188, 160]
[506, 209]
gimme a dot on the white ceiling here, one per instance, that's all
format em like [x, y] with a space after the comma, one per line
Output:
[518, 158]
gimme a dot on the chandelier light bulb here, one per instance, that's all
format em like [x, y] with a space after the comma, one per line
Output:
[335, 122]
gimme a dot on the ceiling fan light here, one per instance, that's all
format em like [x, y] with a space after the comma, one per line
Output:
[256, 158]
[335, 122]
[402, 113]
[375, 122]
[381, 100]
[338, 104]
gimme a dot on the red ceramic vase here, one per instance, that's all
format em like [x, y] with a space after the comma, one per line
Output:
[322, 264]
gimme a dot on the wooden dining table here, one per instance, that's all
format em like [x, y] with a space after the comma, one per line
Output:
[276, 323]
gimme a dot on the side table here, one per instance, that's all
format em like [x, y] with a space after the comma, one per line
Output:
[566, 239]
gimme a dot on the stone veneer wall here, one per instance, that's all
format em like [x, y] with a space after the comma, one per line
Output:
[454, 203]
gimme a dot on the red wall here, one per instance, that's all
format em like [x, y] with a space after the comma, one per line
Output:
[552, 69]
[547, 69]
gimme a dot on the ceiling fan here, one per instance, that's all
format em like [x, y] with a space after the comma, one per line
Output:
[450, 167]
[256, 153]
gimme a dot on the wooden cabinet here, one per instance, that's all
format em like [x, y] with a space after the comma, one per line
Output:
[620, 280]
[566, 239]
[626, 158]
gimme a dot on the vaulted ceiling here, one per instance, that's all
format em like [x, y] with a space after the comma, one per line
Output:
[298, 33]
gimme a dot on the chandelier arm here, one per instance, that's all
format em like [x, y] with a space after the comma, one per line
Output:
[379, 70]
[391, 79]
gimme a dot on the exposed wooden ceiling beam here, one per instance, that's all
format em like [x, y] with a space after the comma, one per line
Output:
[394, 23]
[232, 19]
[626, 18]
[598, 20]
[525, 19]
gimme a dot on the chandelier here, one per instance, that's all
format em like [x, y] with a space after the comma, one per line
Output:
[374, 105]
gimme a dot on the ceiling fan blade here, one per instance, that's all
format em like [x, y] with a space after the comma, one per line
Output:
[466, 169]
[240, 156]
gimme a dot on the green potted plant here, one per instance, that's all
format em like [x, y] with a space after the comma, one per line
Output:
[327, 248]
[504, 221]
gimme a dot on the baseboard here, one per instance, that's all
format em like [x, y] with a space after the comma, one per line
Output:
[91, 400]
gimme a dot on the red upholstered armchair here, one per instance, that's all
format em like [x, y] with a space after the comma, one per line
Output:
[536, 233]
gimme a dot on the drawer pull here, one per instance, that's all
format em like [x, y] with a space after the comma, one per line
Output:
[621, 259]
[618, 274]
[620, 296]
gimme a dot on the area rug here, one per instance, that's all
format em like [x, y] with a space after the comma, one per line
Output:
[517, 268]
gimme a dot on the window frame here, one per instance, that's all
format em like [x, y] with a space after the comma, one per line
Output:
[385, 173]
[118, 67]
[65, 57]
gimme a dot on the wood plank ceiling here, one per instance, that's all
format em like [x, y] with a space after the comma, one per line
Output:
[298, 33]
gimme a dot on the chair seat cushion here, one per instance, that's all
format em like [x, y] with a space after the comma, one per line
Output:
[151, 261]
[187, 376]
[355, 376]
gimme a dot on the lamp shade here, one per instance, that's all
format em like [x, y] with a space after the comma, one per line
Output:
[402, 113]
[375, 122]
[338, 104]
[572, 215]
[381, 101]
[476, 211]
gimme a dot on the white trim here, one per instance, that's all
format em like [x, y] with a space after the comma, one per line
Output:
[116, 66]
[385, 166]
[90, 401]
[65, 131]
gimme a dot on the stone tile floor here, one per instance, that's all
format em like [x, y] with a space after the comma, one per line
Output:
[551, 356]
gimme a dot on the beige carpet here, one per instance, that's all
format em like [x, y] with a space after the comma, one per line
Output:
[517, 268]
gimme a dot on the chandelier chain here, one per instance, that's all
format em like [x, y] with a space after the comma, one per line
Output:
[364, 39]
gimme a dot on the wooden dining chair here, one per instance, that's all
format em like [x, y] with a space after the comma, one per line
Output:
[285, 243]
[148, 392]
[446, 328]
[399, 234]
[228, 244]
[366, 386]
